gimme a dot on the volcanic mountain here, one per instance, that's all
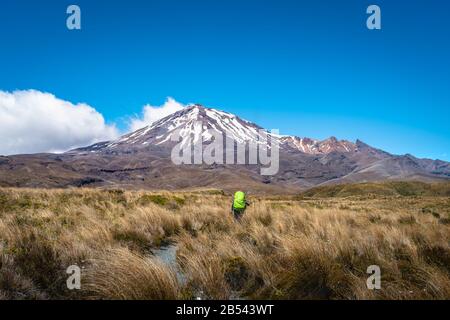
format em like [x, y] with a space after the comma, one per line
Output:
[192, 122]
[142, 159]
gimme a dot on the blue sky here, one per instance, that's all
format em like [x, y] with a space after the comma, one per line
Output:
[309, 68]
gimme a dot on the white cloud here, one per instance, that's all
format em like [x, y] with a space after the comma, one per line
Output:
[32, 121]
[151, 114]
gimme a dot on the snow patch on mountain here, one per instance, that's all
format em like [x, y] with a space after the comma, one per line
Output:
[312, 146]
[199, 124]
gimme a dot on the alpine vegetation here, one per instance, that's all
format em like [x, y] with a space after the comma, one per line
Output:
[370, 241]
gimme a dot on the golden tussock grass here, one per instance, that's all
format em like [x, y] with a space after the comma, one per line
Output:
[284, 248]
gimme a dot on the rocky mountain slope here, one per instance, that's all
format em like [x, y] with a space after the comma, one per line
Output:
[141, 159]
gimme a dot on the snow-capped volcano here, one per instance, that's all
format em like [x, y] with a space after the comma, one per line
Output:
[195, 121]
[200, 123]
[142, 159]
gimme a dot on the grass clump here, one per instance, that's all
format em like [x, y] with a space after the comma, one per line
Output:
[123, 275]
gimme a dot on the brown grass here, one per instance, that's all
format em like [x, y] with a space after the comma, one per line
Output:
[122, 274]
[316, 248]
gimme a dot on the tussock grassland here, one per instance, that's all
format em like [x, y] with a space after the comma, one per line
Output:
[284, 248]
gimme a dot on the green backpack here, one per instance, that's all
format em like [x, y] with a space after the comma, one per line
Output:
[239, 200]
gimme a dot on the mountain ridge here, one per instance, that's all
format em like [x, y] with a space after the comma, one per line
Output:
[141, 159]
[197, 113]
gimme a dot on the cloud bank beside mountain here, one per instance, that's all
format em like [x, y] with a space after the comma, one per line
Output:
[32, 121]
[151, 114]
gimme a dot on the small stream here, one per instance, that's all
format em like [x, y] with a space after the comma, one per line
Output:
[168, 256]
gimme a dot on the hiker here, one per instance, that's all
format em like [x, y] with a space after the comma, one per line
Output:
[239, 205]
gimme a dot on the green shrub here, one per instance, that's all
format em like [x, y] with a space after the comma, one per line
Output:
[150, 198]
